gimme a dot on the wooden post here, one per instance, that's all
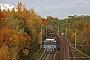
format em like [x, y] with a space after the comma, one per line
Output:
[46, 31]
[66, 33]
[58, 29]
[41, 39]
[75, 38]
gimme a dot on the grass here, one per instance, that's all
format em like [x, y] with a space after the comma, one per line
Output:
[36, 54]
[81, 55]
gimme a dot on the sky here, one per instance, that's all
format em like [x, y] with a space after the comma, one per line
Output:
[56, 8]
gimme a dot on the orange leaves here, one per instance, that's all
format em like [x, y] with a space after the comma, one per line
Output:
[19, 7]
[6, 30]
[39, 38]
[19, 39]
[12, 34]
[88, 26]
[4, 36]
[24, 12]
[86, 41]
[2, 19]
[81, 25]
[73, 34]
[26, 52]
[11, 38]
[44, 20]
[10, 41]
[3, 15]
[4, 53]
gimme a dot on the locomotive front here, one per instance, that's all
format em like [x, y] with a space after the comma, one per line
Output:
[49, 45]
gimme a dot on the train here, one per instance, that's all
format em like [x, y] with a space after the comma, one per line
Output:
[50, 45]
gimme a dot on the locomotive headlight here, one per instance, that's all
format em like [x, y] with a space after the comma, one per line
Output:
[51, 50]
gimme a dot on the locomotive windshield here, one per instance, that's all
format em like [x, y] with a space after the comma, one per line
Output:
[49, 43]
[43, 43]
[54, 43]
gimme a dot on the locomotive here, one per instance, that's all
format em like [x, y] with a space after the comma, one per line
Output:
[50, 45]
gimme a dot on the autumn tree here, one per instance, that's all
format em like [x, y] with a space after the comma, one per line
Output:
[2, 18]
[19, 33]
[19, 7]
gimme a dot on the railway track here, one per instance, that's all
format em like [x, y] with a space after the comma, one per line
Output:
[48, 56]
[64, 49]
[43, 56]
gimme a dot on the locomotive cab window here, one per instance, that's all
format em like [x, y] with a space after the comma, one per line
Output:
[44, 43]
[54, 43]
[49, 43]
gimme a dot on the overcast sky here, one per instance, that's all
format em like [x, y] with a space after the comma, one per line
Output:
[56, 8]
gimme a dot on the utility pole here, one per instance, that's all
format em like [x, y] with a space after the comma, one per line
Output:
[75, 38]
[58, 29]
[67, 40]
[66, 33]
[41, 39]
[46, 30]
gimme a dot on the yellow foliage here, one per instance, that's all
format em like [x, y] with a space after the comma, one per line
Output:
[4, 36]
[26, 52]
[39, 38]
[19, 7]
[44, 20]
[11, 39]
[12, 36]
[73, 34]
[4, 54]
